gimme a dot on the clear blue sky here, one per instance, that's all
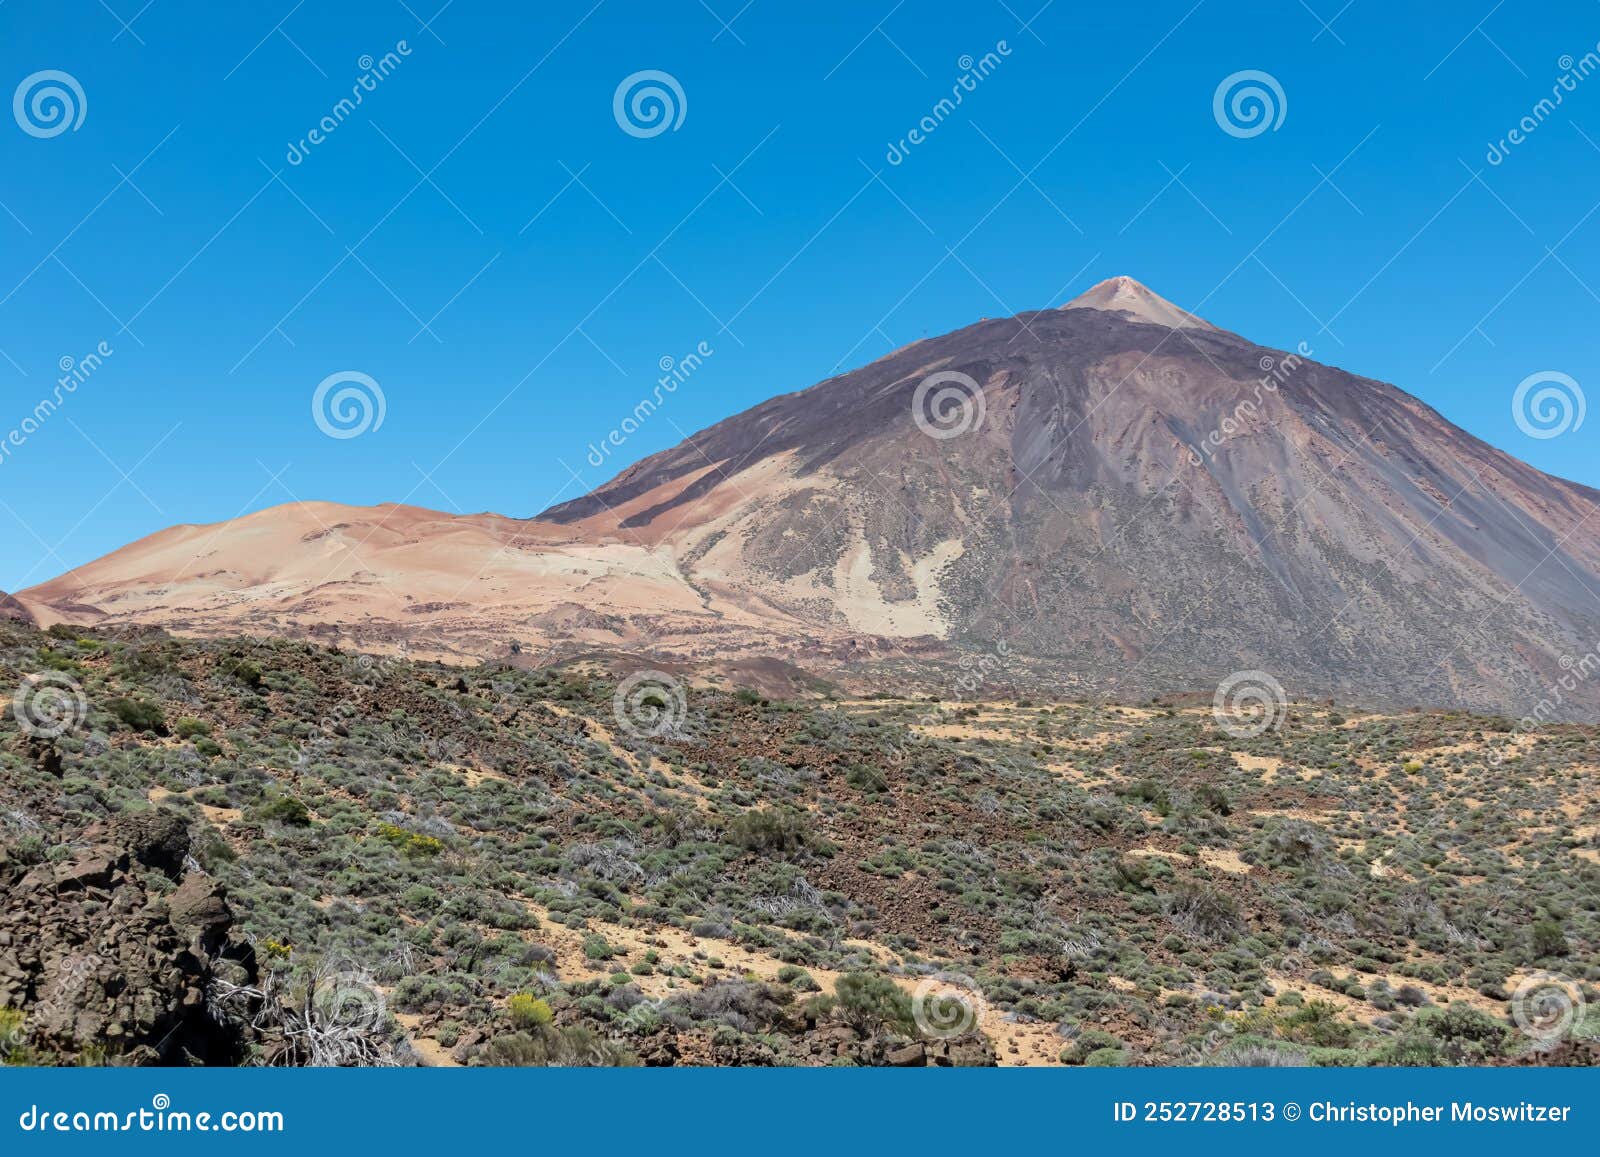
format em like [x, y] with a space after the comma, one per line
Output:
[556, 259]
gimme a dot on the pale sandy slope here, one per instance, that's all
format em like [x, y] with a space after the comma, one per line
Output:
[443, 584]
[467, 587]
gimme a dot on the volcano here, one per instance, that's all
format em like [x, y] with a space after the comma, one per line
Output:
[1116, 496]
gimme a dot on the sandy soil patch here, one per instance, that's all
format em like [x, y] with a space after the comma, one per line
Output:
[1224, 860]
[219, 816]
[1162, 853]
[1266, 765]
[434, 1055]
[1362, 1011]
[970, 732]
[1294, 813]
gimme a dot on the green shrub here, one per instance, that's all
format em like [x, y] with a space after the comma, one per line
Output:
[570, 1047]
[772, 830]
[1548, 939]
[244, 671]
[1200, 910]
[138, 715]
[1318, 1023]
[413, 844]
[869, 1003]
[864, 778]
[13, 1038]
[1106, 1059]
[797, 977]
[1465, 1034]
[286, 810]
[528, 1012]
[1087, 1043]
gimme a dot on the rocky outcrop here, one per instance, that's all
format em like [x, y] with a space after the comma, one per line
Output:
[107, 962]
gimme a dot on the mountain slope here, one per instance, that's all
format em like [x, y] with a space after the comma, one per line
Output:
[1148, 507]
[1130, 499]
